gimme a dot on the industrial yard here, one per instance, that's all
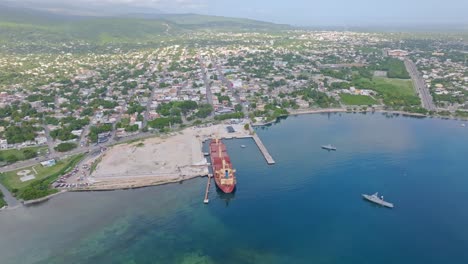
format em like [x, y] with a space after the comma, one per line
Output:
[153, 161]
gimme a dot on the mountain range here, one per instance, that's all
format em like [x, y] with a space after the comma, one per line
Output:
[17, 23]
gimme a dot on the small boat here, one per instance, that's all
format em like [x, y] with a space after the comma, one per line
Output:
[463, 125]
[243, 146]
[374, 198]
[329, 147]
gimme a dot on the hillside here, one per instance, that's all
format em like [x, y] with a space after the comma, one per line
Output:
[20, 24]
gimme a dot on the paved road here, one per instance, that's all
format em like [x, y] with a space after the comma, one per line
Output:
[148, 107]
[50, 140]
[228, 84]
[9, 199]
[420, 86]
[119, 118]
[209, 95]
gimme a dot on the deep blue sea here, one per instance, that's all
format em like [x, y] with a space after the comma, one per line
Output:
[307, 208]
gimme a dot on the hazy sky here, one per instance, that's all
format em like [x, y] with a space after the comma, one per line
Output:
[297, 12]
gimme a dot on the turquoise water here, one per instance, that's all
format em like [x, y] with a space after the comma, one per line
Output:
[305, 209]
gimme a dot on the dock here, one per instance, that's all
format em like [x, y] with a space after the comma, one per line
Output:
[269, 159]
[207, 191]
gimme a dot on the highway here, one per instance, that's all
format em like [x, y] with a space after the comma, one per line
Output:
[420, 86]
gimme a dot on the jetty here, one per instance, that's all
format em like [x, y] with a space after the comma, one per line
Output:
[207, 191]
[269, 159]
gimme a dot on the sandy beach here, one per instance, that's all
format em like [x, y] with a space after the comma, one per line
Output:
[159, 160]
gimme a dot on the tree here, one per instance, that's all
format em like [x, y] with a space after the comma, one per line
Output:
[64, 147]
[246, 127]
[29, 153]
[11, 158]
[236, 115]
[204, 111]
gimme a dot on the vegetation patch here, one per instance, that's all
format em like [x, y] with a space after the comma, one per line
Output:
[315, 97]
[163, 122]
[40, 187]
[236, 115]
[2, 202]
[94, 165]
[395, 68]
[416, 110]
[64, 147]
[350, 99]
[460, 113]
[14, 155]
[95, 130]
[395, 93]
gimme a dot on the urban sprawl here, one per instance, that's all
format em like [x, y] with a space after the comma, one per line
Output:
[74, 100]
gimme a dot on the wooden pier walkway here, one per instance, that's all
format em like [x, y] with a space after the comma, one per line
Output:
[263, 149]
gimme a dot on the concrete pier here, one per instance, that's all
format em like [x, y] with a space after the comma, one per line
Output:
[207, 191]
[263, 149]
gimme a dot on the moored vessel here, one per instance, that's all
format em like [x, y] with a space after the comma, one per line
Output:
[223, 172]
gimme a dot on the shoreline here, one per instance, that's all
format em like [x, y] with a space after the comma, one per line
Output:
[129, 182]
[43, 199]
[159, 183]
[344, 110]
[143, 181]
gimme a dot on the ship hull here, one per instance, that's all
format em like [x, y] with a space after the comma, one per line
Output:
[223, 173]
[225, 188]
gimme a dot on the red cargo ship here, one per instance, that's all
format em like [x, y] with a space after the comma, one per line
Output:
[222, 168]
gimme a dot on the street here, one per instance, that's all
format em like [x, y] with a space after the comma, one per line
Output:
[209, 95]
[420, 86]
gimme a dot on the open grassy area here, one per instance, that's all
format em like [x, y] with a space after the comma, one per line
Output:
[350, 99]
[21, 154]
[395, 68]
[38, 187]
[394, 86]
[395, 93]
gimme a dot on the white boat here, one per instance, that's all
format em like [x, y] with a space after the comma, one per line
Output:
[243, 146]
[378, 200]
[329, 147]
[463, 125]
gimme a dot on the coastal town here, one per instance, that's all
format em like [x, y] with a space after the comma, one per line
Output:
[72, 108]
[233, 132]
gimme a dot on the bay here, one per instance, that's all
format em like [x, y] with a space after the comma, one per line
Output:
[307, 208]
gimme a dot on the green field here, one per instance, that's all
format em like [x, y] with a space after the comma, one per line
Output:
[38, 187]
[350, 99]
[19, 153]
[395, 93]
[395, 68]
[394, 86]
